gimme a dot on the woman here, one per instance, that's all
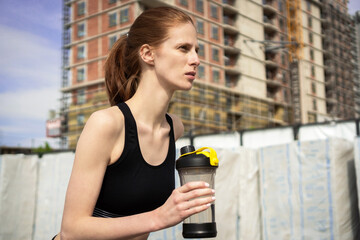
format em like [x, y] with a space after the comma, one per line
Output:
[122, 182]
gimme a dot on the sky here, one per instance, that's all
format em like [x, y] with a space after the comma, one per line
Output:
[30, 69]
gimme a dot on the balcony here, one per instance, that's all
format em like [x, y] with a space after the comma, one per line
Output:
[327, 54]
[232, 70]
[269, 26]
[229, 6]
[229, 25]
[269, 10]
[270, 64]
[273, 84]
[331, 100]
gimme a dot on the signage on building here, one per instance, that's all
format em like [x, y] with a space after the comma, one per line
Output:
[53, 128]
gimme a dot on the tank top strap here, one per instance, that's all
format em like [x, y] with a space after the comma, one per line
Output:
[130, 127]
[171, 133]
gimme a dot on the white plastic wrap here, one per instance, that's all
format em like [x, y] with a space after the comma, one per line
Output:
[262, 138]
[220, 141]
[17, 196]
[357, 166]
[54, 175]
[345, 130]
[308, 191]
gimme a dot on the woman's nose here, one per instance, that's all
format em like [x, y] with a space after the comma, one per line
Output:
[194, 59]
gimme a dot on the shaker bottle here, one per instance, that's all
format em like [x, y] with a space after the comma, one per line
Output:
[199, 165]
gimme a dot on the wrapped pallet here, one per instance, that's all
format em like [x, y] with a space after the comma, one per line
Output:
[18, 177]
[54, 175]
[357, 166]
[308, 191]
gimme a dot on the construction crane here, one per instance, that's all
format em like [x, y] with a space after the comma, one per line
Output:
[294, 25]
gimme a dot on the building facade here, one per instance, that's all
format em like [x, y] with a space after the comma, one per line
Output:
[356, 52]
[262, 63]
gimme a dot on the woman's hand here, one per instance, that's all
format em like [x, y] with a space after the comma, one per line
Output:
[189, 199]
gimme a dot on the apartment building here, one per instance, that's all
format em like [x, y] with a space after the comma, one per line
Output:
[310, 64]
[338, 58]
[356, 51]
[264, 63]
[231, 92]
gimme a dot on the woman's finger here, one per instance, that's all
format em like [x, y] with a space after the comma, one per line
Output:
[192, 185]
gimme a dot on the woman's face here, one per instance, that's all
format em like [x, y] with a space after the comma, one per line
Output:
[176, 60]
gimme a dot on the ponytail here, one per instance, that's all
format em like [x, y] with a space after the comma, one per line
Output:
[121, 77]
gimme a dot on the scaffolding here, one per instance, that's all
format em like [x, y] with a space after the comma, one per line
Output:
[66, 40]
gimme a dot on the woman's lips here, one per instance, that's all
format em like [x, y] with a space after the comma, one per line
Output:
[191, 75]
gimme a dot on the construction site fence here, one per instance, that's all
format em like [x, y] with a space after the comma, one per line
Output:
[304, 189]
[256, 138]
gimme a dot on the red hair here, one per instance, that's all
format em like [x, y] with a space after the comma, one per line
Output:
[122, 67]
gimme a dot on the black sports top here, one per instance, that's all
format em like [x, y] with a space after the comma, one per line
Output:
[131, 185]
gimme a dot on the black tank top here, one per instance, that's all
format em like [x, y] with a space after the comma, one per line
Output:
[131, 185]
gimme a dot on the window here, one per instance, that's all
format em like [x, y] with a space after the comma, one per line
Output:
[309, 21]
[112, 41]
[201, 72]
[313, 87]
[227, 81]
[112, 1]
[184, 3]
[81, 96]
[308, 6]
[284, 80]
[202, 115]
[200, 6]
[214, 11]
[312, 54]
[311, 117]
[215, 32]
[124, 15]
[281, 6]
[201, 52]
[283, 60]
[215, 54]
[200, 27]
[80, 8]
[81, 30]
[281, 24]
[81, 52]
[217, 117]
[312, 70]
[80, 74]
[185, 112]
[112, 19]
[285, 95]
[80, 119]
[311, 38]
[216, 76]
[314, 104]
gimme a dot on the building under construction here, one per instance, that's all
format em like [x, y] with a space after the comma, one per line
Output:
[339, 59]
[261, 65]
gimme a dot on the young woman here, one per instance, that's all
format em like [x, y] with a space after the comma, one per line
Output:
[122, 182]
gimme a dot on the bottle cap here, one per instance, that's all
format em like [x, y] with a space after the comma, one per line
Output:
[199, 158]
[187, 149]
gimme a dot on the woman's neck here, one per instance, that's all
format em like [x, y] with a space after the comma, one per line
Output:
[150, 102]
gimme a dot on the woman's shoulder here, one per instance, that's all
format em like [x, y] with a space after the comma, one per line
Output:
[108, 121]
[178, 126]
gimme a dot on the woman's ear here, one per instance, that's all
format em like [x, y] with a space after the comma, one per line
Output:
[147, 54]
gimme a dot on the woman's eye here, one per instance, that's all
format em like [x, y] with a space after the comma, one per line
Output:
[183, 48]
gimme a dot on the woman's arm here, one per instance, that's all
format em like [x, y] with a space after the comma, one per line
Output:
[103, 131]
